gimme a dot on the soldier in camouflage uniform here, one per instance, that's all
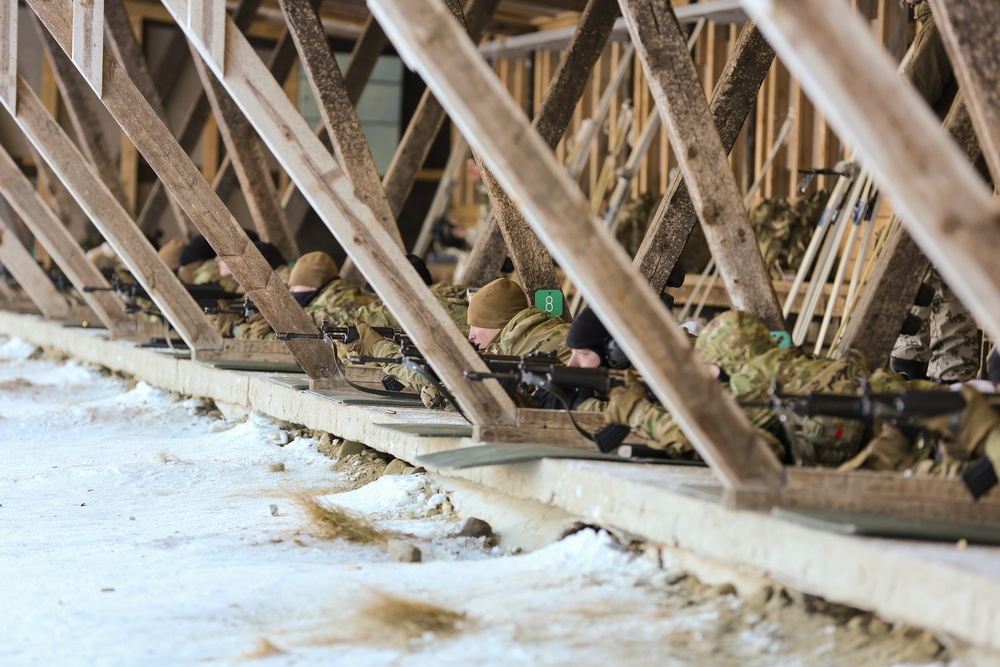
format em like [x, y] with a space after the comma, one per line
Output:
[783, 230]
[500, 322]
[946, 347]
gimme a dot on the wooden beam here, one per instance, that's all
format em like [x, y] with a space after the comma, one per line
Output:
[874, 325]
[88, 41]
[111, 218]
[449, 62]
[734, 97]
[190, 131]
[78, 103]
[531, 260]
[126, 49]
[971, 34]
[183, 180]
[8, 54]
[250, 165]
[364, 57]
[944, 203]
[28, 273]
[338, 113]
[317, 174]
[208, 20]
[703, 160]
[60, 244]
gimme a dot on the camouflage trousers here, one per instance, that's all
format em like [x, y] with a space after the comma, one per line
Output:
[948, 340]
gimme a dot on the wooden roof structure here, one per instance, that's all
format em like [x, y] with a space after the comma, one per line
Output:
[542, 217]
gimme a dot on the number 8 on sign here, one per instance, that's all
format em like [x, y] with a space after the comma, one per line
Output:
[549, 300]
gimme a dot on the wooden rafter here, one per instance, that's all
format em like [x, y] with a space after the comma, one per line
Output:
[8, 54]
[61, 246]
[944, 203]
[717, 200]
[88, 41]
[531, 260]
[584, 247]
[183, 180]
[970, 30]
[28, 273]
[113, 221]
[250, 165]
[338, 114]
[295, 145]
[735, 95]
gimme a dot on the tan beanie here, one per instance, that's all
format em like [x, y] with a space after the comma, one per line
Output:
[494, 305]
[171, 252]
[314, 269]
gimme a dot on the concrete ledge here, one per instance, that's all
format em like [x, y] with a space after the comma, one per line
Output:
[932, 585]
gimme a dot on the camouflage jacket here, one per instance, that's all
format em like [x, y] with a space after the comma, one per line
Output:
[532, 331]
[335, 297]
[930, 69]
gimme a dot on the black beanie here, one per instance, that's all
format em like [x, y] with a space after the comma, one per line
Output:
[421, 268]
[197, 249]
[588, 333]
[993, 367]
[271, 254]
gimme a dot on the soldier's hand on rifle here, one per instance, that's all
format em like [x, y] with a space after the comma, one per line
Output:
[971, 427]
[622, 401]
[365, 344]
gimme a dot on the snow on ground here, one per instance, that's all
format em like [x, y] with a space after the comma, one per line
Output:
[137, 530]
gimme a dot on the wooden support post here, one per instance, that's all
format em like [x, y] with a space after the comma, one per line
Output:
[190, 131]
[532, 261]
[364, 57]
[874, 325]
[250, 164]
[186, 184]
[83, 115]
[734, 97]
[8, 54]
[944, 203]
[584, 247]
[971, 34]
[338, 113]
[208, 20]
[60, 244]
[126, 49]
[111, 218]
[703, 160]
[29, 275]
[88, 41]
[317, 174]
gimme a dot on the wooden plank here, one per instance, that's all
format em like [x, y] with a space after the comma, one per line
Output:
[250, 165]
[88, 41]
[364, 57]
[875, 493]
[216, 223]
[317, 174]
[944, 203]
[79, 105]
[703, 159]
[338, 113]
[111, 218]
[125, 47]
[8, 54]
[582, 244]
[28, 273]
[971, 34]
[735, 95]
[544, 426]
[427, 119]
[531, 260]
[208, 20]
[190, 131]
[60, 244]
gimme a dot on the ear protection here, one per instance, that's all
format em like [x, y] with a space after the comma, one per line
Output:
[616, 355]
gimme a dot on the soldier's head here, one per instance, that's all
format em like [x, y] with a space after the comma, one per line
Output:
[270, 252]
[311, 272]
[492, 307]
[193, 255]
[733, 338]
[592, 345]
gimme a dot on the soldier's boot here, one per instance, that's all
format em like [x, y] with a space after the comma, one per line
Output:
[911, 369]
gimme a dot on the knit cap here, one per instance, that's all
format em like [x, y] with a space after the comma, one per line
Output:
[494, 305]
[314, 269]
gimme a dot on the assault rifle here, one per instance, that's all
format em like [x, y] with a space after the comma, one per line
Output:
[203, 294]
[906, 409]
[348, 334]
[248, 310]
